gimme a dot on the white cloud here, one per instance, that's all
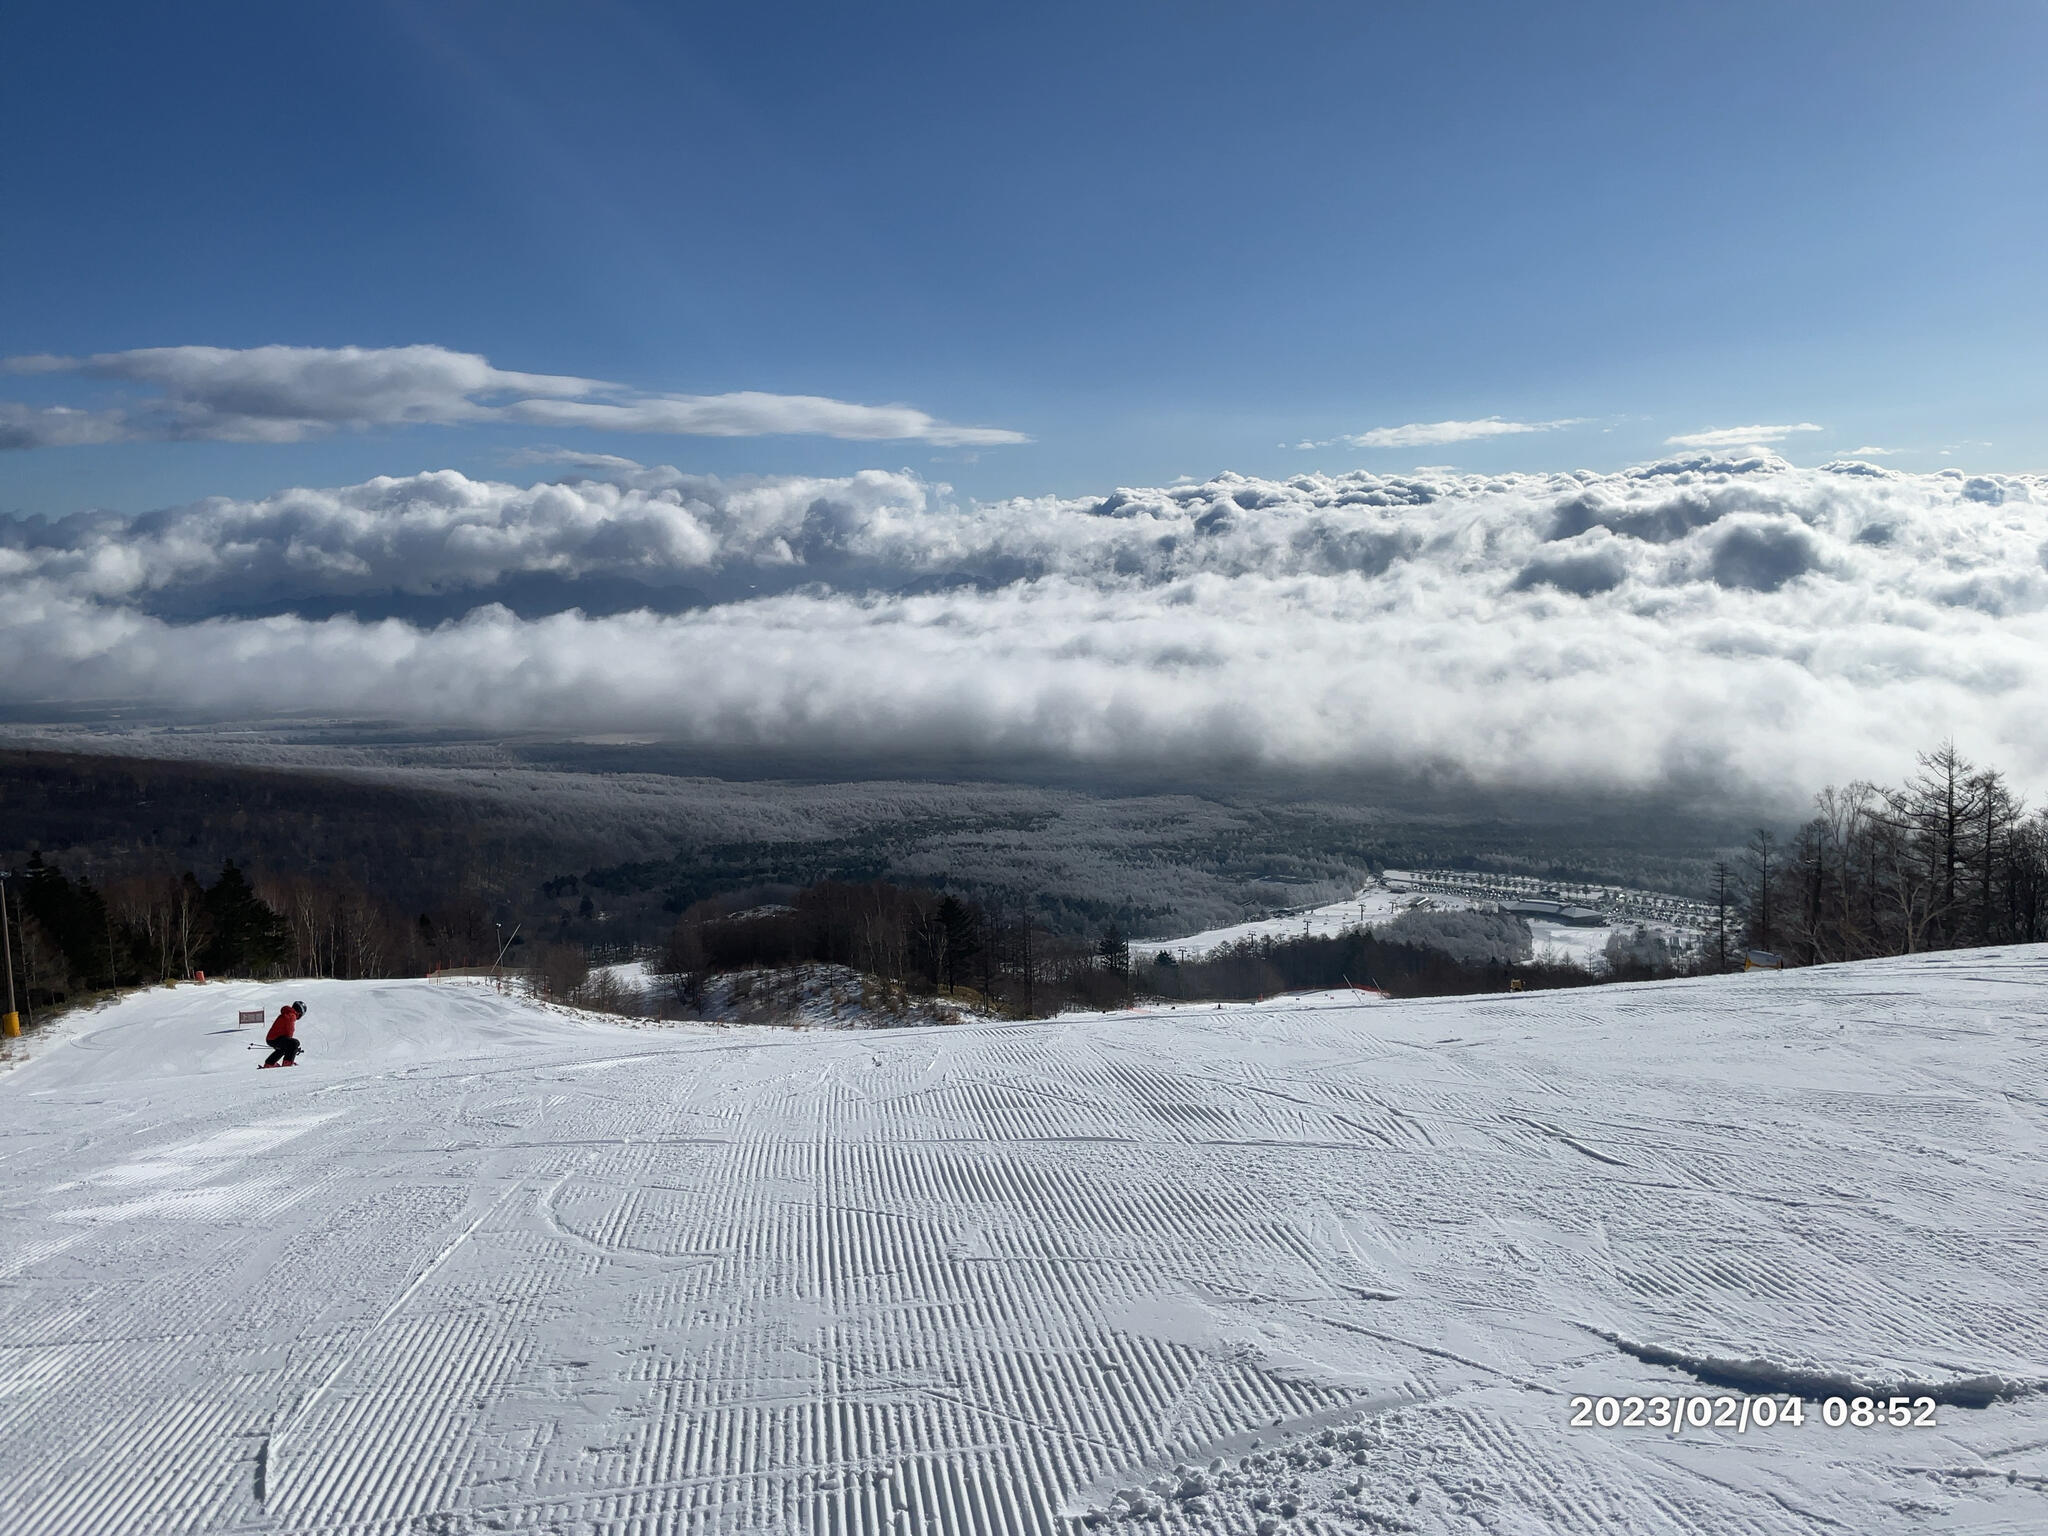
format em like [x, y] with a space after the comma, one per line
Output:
[441, 531]
[1731, 615]
[1739, 437]
[575, 458]
[752, 414]
[57, 426]
[287, 394]
[1431, 434]
[1868, 452]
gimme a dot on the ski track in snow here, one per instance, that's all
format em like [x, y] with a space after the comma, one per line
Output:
[478, 1266]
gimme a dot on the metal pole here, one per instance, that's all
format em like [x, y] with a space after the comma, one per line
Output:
[10, 1022]
[28, 970]
[498, 964]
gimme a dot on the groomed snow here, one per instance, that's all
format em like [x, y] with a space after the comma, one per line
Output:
[479, 1265]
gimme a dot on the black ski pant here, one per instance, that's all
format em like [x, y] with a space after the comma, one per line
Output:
[286, 1050]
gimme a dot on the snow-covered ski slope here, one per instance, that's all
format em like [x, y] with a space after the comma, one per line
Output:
[477, 1266]
[1385, 899]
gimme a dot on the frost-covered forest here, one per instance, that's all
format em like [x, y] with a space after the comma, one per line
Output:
[1023, 897]
[605, 846]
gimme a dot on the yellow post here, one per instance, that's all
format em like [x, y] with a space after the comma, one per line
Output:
[10, 1025]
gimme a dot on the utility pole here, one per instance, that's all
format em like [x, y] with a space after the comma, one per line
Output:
[10, 1022]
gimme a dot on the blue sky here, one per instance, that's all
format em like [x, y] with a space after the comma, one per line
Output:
[1153, 239]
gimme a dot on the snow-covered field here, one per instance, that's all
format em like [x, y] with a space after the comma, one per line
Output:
[477, 1265]
[1569, 944]
[1375, 903]
[1381, 902]
[633, 975]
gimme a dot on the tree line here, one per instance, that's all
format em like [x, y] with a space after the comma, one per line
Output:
[987, 952]
[70, 937]
[1950, 859]
[998, 956]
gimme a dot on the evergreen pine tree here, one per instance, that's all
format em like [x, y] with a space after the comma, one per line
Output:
[962, 937]
[1114, 949]
[244, 936]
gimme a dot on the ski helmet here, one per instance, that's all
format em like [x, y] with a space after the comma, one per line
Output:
[298, 1008]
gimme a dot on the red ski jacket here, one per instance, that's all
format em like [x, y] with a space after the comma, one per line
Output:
[283, 1025]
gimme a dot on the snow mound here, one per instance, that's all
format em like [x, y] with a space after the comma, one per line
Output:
[1800, 1381]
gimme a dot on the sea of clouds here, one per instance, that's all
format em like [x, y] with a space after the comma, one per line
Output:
[1713, 616]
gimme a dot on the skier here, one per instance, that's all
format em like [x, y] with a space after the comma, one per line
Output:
[283, 1038]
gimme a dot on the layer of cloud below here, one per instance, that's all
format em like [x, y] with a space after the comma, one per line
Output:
[288, 394]
[1705, 616]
